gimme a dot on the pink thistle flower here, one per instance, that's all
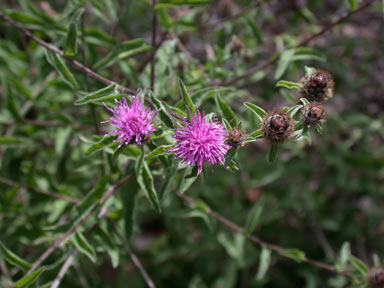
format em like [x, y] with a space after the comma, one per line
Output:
[132, 121]
[200, 140]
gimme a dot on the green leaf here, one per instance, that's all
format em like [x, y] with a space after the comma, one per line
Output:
[304, 101]
[163, 112]
[159, 151]
[83, 246]
[258, 111]
[189, 179]
[255, 30]
[202, 95]
[185, 95]
[265, 261]
[344, 256]
[105, 142]
[229, 156]
[309, 70]
[57, 62]
[128, 194]
[108, 245]
[10, 99]
[70, 48]
[353, 4]
[254, 217]
[225, 110]
[288, 84]
[293, 110]
[254, 135]
[273, 150]
[13, 259]
[145, 180]
[99, 95]
[359, 265]
[123, 50]
[11, 140]
[29, 279]
[294, 254]
[282, 65]
[167, 176]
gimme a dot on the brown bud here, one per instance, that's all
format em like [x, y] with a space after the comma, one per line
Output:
[236, 45]
[236, 137]
[375, 277]
[313, 113]
[318, 86]
[277, 126]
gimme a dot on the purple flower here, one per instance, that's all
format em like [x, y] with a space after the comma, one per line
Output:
[132, 121]
[200, 140]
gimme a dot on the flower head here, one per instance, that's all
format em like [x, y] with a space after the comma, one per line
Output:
[317, 86]
[375, 277]
[200, 140]
[132, 121]
[313, 113]
[236, 138]
[277, 126]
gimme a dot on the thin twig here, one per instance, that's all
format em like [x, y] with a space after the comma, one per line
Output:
[154, 32]
[67, 264]
[51, 194]
[301, 43]
[53, 48]
[258, 241]
[133, 257]
[69, 232]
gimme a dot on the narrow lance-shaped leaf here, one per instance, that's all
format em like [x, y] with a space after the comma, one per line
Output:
[128, 194]
[105, 142]
[226, 111]
[145, 180]
[123, 50]
[84, 247]
[288, 84]
[294, 254]
[285, 59]
[159, 151]
[13, 259]
[9, 98]
[29, 279]
[259, 112]
[108, 244]
[255, 30]
[57, 62]
[265, 260]
[101, 95]
[185, 95]
[71, 41]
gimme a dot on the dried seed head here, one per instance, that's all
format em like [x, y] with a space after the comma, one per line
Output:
[313, 113]
[318, 86]
[375, 277]
[236, 137]
[277, 126]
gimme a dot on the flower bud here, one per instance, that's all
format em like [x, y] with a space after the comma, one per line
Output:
[236, 137]
[313, 113]
[236, 45]
[317, 86]
[277, 126]
[375, 277]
